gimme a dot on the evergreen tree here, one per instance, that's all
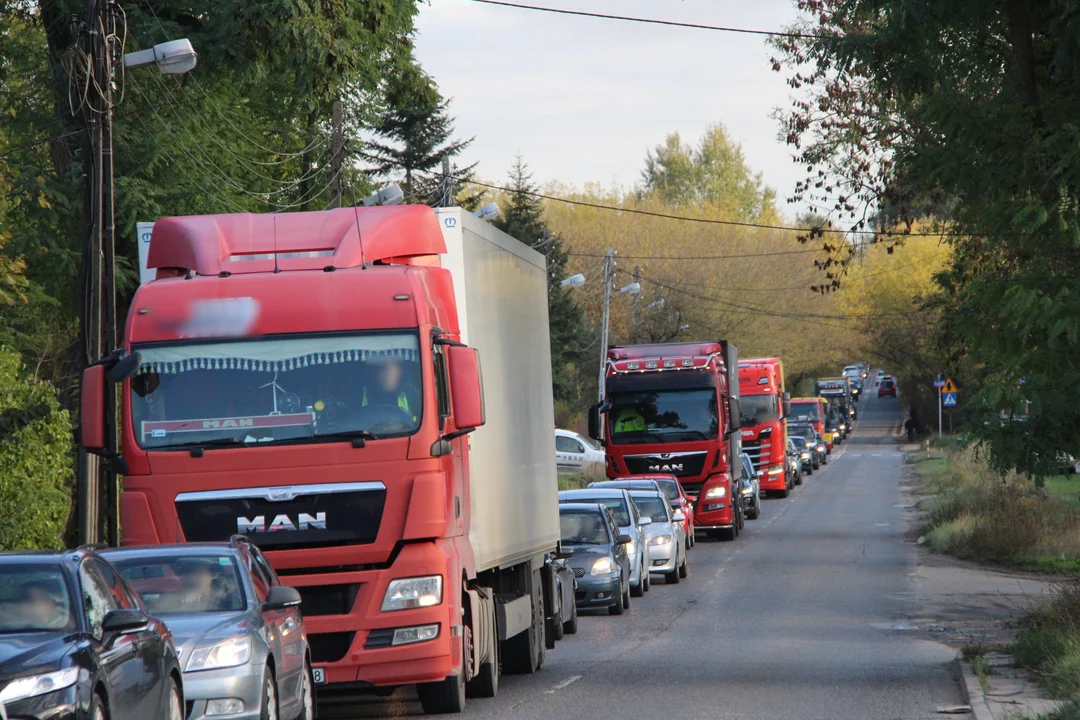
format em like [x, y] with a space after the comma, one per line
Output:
[417, 134]
[522, 218]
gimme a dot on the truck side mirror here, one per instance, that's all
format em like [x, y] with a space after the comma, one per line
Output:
[466, 387]
[787, 404]
[735, 421]
[92, 409]
[594, 421]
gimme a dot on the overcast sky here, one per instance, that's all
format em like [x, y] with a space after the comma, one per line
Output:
[582, 99]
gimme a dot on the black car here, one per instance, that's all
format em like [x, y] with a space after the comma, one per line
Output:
[794, 463]
[818, 450]
[807, 457]
[76, 643]
[600, 562]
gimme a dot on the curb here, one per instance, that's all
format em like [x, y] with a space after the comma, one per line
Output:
[972, 691]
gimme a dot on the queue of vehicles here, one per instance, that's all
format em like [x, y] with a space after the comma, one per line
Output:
[306, 428]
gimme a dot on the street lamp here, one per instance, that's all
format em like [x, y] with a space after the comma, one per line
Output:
[389, 195]
[632, 288]
[175, 57]
[573, 281]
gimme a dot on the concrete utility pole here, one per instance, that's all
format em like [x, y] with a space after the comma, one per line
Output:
[447, 199]
[637, 310]
[338, 143]
[609, 272]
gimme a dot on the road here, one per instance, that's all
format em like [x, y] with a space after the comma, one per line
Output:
[802, 617]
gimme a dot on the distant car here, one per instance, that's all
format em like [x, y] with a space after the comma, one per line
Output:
[794, 463]
[856, 389]
[878, 377]
[76, 643]
[864, 368]
[852, 371]
[630, 523]
[813, 440]
[239, 630]
[601, 563]
[750, 488]
[887, 388]
[807, 458]
[575, 452]
[665, 535]
[671, 488]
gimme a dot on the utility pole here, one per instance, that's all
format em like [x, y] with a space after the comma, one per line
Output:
[448, 183]
[609, 271]
[337, 142]
[637, 310]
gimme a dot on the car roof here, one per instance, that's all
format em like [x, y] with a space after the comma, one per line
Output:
[593, 492]
[648, 493]
[171, 550]
[581, 507]
[568, 433]
[625, 483]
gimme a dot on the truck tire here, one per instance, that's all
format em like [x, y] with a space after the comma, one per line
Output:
[570, 626]
[486, 682]
[445, 697]
[523, 654]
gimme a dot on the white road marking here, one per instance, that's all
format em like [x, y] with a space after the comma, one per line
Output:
[564, 684]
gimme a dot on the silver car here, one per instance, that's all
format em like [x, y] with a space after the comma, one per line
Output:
[665, 534]
[630, 522]
[238, 631]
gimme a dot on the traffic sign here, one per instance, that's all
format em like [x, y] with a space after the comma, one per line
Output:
[939, 383]
[948, 387]
[948, 399]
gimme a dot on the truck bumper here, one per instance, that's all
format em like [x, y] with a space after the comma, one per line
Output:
[712, 514]
[357, 646]
[772, 482]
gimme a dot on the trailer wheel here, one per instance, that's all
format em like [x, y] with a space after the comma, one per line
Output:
[447, 696]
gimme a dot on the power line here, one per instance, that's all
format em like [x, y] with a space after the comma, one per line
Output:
[700, 257]
[650, 21]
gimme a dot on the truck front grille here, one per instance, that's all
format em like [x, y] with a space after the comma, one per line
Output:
[759, 452]
[328, 599]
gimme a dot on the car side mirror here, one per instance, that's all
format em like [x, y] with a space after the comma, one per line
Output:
[281, 597]
[624, 540]
[124, 622]
[642, 522]
[678, 516]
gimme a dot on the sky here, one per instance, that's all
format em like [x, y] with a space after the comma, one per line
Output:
[583, 99]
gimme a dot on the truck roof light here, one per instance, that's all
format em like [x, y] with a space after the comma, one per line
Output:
[633, 366]
[763, 381]
[651, 365]
[688, 362]
[669, 363]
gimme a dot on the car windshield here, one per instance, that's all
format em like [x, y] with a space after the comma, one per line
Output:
[758, 409]
[184, 584]
[583, 527]
[667, 416]
[799, 441]
[269, 390]
[34, 597]
[805, 411]
[804, 431]
[652, 507]
[616, 505]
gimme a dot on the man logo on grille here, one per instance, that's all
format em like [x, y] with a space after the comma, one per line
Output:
[258, 524]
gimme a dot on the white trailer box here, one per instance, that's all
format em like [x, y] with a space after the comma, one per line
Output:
[500, 286]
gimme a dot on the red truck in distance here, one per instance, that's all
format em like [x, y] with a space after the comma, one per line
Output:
[674, 408]
[764, 406]
[812, 410]
[310, 380]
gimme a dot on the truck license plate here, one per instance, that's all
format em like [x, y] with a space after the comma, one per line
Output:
[320, 675]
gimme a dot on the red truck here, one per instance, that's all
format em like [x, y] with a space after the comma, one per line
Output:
[310, 380]
[814, 411]
[674, 408]
[764, 406]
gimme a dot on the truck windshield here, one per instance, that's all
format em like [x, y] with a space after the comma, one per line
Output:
[277, 390]
[810, 412]
[665, 416]
[758, 409]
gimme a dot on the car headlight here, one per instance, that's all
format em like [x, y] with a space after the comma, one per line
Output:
[805, 455]
[716, 492]
[660, 540]
[34, 685]
[603, 566]
[410, 593]
[229, 653]
[821, 448]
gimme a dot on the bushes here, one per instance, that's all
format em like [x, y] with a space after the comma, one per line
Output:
[981, 515]
[1049, 643]
[35, 467]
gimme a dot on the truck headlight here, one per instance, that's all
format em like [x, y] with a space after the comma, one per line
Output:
[603, 566]
[410, 593]
[716, 492]
[660, 540]
[35, 685]
[776, 470]
[229, 653]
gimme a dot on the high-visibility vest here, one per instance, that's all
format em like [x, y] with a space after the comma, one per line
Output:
[402, 402]
[630, 421]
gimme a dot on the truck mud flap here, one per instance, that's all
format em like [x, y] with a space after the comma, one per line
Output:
[515, 617]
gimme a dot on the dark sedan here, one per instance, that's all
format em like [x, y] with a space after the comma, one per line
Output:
[76, 643]
[807, 457]
[600, 562]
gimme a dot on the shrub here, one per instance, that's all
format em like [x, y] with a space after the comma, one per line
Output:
[35, 460]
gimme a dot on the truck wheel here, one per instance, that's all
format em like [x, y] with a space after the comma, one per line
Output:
[445, 697]
[523, 654]
[570, 626]
[486, 682]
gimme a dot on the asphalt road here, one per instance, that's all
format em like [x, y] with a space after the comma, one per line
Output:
[802, 617]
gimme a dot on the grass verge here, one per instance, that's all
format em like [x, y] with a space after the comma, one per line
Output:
[1049, 644]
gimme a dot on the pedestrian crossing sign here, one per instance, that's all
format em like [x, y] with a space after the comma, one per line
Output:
[948, 399]
[949, 387]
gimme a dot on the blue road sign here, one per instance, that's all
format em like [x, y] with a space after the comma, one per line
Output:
[948, 399]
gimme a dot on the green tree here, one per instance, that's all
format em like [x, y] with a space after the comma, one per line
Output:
[969, 108]
[35, 442]
[522, 217]
[715, 172]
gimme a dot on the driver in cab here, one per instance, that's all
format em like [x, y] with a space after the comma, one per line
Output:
[389, 389]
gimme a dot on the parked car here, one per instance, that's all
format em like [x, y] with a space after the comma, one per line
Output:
[794, 463]
[671, 488]
[600, 562]
[664, 534]
[887, 388]
[629, 522]
[575, 452]
[239, 630]
[749, 489]
[76, 643]
[807, 457]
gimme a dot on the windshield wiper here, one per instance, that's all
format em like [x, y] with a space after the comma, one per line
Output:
[359, 438]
